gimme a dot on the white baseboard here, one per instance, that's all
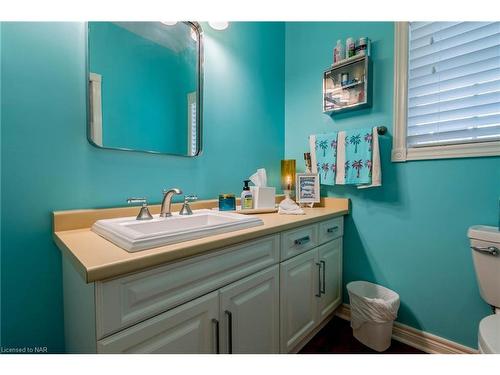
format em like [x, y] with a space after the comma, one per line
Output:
[416, 338]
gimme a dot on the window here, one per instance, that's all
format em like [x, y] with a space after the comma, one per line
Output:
[446, 90]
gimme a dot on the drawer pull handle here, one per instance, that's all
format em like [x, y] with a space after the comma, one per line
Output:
[302, 241]
[323, 289]
[319, 280]
[217, 340]
[332, 229]
[229, 331]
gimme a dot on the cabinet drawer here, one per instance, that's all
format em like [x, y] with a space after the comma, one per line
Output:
[331, 229]
[297, 241]
[125, 301]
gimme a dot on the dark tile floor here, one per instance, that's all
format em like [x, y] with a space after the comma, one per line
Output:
[336, 338]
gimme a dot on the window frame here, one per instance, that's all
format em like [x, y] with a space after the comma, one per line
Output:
[400, 150]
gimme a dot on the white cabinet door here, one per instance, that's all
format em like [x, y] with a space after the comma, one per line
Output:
[330, 257]
[299, 294]
[249, 311]
[127, 300]
[189, 328]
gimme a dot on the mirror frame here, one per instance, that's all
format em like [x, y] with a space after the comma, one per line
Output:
[199, 91]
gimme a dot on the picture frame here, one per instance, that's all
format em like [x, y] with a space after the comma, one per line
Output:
[307, 188]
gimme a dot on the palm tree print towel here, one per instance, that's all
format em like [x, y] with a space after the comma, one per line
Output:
[358, 155]
[323, 149]
[358, 158]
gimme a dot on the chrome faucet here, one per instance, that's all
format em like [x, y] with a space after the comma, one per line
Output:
[166, 203]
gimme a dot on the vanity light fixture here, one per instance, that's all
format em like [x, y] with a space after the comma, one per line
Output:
[219, 25]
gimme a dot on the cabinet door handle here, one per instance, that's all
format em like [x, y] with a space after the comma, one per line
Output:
[302, 241]
[319, 280]
[332, 229]
[229, 331]
[217, 340]
[323, 290]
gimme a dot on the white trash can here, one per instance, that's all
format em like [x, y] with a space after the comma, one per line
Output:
[373, 311]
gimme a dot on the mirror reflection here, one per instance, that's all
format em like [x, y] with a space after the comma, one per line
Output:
[144, 86]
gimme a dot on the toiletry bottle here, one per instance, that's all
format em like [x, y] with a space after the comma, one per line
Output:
[246, 197]
[339, 53]
[363, 47]
[350, 47]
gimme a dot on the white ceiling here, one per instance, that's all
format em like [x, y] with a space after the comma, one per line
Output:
[176, 37]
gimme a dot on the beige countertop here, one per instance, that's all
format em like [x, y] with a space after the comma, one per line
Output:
[95, 258]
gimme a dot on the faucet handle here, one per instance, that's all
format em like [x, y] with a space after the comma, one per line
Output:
[137, 200]
[186, 209]
[190, 198]
[144, 213]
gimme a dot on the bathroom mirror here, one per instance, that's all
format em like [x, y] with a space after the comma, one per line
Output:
[145, 86]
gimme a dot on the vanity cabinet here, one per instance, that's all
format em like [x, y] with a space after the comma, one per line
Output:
[299, 289]
[240, 318]
[267, 295]
[189, 328]
[310, 286]
[330, 258]
[250, 314]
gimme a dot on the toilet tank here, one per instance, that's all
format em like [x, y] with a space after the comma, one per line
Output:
[487, 266]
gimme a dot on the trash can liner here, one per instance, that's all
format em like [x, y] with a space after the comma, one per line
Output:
[371, 302]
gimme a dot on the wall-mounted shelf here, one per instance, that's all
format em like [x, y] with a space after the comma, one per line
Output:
[346, 85]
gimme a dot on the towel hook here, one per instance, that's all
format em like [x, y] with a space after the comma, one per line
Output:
[381, 130]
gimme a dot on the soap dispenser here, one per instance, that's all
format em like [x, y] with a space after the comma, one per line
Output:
[246, 197]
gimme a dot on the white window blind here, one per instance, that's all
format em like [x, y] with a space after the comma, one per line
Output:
[453, 83]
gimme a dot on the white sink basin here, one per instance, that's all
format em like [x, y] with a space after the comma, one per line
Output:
[135, 235]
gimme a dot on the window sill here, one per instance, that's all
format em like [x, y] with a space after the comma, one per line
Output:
[447, 152]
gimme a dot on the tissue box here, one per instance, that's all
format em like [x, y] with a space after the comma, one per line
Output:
[263, 197]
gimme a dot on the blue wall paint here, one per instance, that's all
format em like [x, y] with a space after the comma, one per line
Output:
[144, 85]
[409, 235]
[47, 163]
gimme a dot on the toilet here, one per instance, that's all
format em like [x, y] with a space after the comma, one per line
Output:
[485, 247]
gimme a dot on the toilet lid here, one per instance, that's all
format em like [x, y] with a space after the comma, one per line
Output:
[489, 334]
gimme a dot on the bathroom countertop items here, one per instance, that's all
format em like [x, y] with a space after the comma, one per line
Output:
[97, 259]
[289, 207]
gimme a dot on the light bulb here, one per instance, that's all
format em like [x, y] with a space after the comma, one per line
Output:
[219, 25]
[194, 36]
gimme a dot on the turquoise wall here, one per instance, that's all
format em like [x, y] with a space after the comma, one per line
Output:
[144, 86]
[410, 234]
[47, 163]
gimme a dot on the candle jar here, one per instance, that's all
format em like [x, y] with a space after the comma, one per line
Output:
[288, 174]
[227, 202]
